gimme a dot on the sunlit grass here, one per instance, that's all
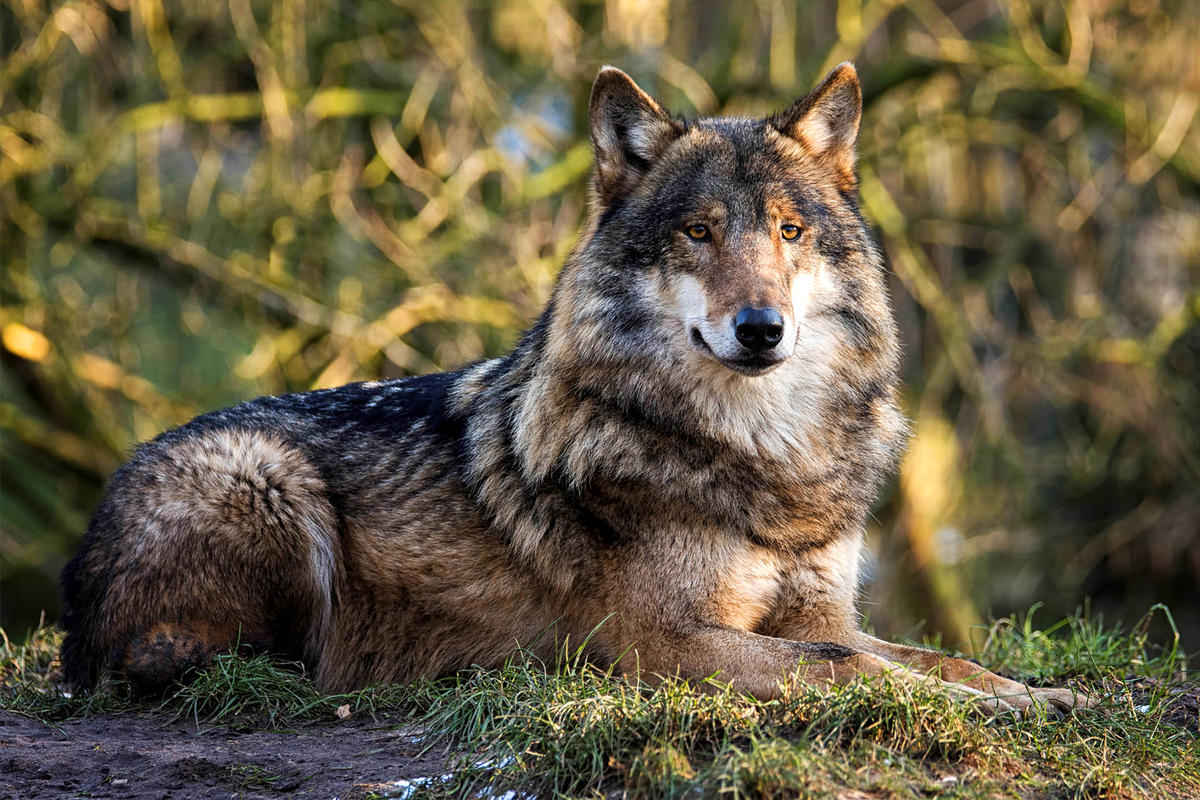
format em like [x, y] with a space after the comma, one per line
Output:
[1081, 646]
[572, 729]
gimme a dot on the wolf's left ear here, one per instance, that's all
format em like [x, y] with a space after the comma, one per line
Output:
[826, 121]
[629, 130]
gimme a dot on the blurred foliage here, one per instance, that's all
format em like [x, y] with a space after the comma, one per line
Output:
[206, 201]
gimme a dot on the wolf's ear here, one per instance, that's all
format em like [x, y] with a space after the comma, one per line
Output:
[629, 131]
[826, 121]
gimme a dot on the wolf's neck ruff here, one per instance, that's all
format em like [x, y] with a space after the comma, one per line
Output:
[580, 424]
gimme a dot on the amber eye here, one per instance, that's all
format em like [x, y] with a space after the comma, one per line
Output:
[789, 232]
[697, 231]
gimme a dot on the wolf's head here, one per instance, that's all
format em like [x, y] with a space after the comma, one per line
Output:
[733, 234]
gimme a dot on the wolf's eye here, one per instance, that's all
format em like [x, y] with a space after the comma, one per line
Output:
[790, 232]
[697, 231]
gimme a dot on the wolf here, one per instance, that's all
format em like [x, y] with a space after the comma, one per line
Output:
[674, 465]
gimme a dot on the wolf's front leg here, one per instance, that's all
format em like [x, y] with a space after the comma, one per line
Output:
[759, 665]
[805, 622]
[965, 673]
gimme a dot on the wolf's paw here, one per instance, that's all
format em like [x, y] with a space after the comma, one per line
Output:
[980, 704]
[1033, 700]
[1022, 700]
[984, 706]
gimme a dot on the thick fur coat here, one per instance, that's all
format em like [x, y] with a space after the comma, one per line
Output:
[677, 460]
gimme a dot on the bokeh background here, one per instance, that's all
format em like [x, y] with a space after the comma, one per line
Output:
[209, 200]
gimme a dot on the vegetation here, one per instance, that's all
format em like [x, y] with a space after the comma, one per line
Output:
[572, 730]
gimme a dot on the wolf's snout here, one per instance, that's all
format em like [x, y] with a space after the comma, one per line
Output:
[758, 328]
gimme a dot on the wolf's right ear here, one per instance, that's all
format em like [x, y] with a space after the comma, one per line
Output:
[629, 131]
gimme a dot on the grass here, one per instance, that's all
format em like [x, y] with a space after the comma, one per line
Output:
[576, 731]
[1086, 650]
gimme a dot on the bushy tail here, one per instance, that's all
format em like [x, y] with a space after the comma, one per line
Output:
[208, 542]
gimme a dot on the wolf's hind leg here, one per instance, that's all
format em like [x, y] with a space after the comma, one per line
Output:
[163, 653]
[203, 543]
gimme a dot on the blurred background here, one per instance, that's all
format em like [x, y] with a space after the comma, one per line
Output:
[205, 201]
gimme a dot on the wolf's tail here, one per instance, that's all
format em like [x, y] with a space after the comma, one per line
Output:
[203, 543]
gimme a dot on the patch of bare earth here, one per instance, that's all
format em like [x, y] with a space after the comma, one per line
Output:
[1183, 708]
[146, 757]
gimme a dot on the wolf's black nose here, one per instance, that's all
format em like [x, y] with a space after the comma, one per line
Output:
[759, 328]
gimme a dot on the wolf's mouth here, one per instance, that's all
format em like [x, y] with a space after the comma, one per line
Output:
[752, 366]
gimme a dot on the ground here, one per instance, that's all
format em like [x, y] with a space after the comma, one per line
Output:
[252, 728]
[132, 755]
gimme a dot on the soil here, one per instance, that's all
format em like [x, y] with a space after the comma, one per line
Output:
[1183, 708]
[143, 757]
